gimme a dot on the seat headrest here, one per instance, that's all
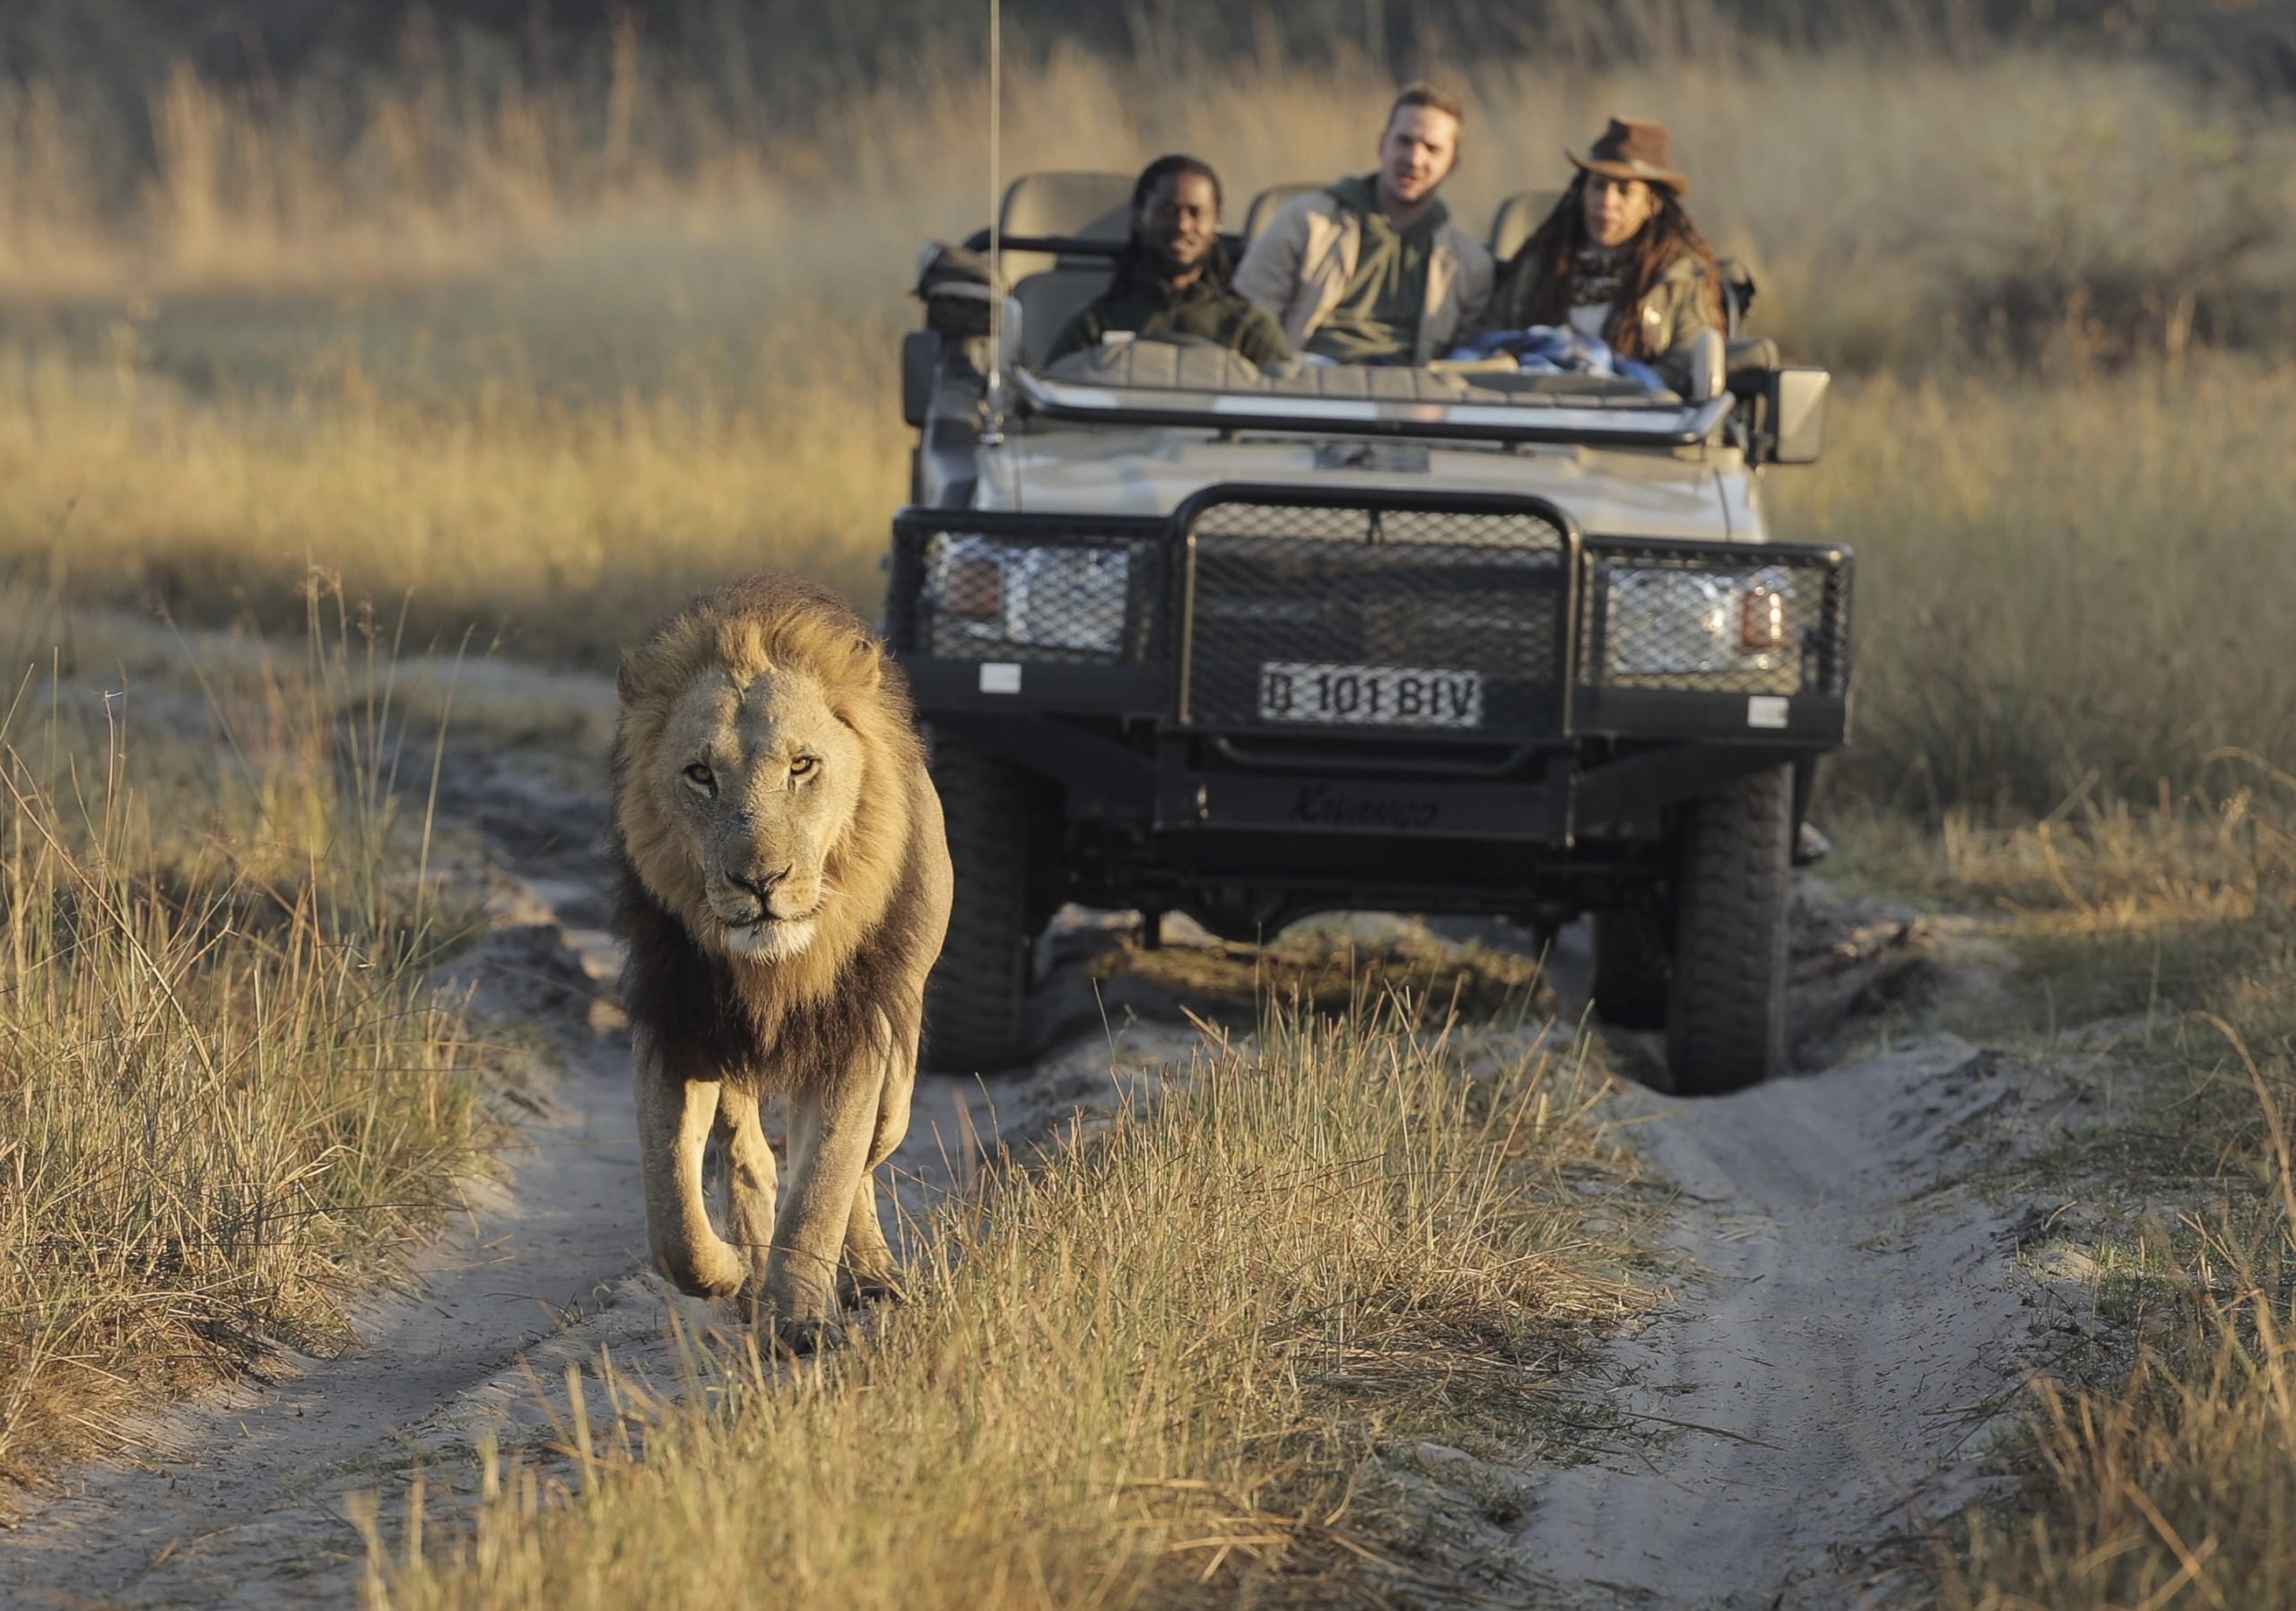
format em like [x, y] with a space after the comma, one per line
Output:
[1097, 207]
[1517, 216]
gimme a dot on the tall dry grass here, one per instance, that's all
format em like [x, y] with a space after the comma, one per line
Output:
[2068, 590]
[554, 524]
[1156, 1368]
[226, 1102]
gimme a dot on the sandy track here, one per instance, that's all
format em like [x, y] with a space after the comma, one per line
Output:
[1848, 1331]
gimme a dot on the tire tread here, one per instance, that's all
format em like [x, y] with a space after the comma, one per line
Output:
[1725, 1016]
[977, 1002]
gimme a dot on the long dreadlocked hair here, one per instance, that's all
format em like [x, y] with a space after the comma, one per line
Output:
[1134, 264]
[1666, 235]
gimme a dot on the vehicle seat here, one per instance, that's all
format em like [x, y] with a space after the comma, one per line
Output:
[1708, 366]
[1049, 288]
[1269, 202]
[1517, 216]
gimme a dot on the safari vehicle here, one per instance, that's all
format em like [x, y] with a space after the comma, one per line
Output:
[1190, 638]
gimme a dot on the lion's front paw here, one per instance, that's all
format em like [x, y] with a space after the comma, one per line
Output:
[807, 1335]
[860, 1284]
[799, 1323]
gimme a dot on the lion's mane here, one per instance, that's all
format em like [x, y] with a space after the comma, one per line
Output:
[822, 1006]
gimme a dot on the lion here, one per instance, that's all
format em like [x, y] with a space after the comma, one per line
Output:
[785, 890]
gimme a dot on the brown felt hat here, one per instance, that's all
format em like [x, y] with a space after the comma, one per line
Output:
[1632, 148]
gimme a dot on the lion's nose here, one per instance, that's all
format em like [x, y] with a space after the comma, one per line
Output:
[760, 885]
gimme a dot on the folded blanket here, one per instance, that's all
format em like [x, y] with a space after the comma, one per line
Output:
[1554, 350]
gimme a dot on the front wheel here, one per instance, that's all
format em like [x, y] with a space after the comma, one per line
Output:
[977, 1001]
[1726, 1009]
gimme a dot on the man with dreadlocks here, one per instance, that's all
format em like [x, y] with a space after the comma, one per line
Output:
[1618, 260]
[1172, 276]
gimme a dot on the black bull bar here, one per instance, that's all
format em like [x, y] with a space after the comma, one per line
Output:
[1129, 659]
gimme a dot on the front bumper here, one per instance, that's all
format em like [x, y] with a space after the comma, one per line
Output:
[1136, 692]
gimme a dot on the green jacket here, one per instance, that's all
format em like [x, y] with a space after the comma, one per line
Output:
[1148, 306]
[1376, 319]
[1300, 265]
[1677, 308]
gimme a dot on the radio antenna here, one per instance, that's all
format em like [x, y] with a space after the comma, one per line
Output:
[993, 425]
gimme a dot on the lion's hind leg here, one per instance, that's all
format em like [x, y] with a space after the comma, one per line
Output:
[674, 1118]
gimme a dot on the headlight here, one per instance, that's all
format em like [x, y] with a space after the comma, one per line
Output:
[1717, 628]
[1047, 596]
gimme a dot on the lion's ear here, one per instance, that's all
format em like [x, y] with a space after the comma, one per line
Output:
[626, 686]
[868, 660]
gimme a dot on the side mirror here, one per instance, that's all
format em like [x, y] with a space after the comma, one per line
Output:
[1795, 411]
[920, 361]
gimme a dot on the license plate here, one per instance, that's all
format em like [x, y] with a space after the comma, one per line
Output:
[1396, 696]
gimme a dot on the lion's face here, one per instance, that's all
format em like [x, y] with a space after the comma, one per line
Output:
[759, 783]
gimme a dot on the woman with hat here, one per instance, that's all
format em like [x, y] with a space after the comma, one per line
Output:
[1618, 259]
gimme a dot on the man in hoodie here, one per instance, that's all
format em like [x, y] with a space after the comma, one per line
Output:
[1372, 270]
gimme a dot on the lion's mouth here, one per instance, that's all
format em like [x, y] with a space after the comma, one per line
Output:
[767, 939]
[763, 920]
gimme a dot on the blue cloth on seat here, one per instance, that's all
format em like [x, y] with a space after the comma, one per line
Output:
[1554, 350]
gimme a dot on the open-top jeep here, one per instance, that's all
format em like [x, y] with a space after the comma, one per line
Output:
[1190, 638]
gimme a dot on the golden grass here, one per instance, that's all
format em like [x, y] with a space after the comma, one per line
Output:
[530, 357]
[225, 1102]
[2067, 590]
[555, 526]
[2066, 587]
[1158, 1362]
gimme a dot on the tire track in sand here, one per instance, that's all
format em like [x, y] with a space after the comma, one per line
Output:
[1844, 1334]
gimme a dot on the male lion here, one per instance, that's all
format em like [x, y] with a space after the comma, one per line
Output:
[785, 890]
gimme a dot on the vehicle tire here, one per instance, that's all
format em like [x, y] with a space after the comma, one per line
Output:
[977, 1002]
[1726, 1012]
[1633, 967]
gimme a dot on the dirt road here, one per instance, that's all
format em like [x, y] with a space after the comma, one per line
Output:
[1850, 1323]
[1851, 1331]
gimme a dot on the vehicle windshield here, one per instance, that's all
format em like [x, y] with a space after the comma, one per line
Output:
[1184, 383]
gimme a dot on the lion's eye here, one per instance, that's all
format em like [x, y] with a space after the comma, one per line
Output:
[702, 777]
[803, 766]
